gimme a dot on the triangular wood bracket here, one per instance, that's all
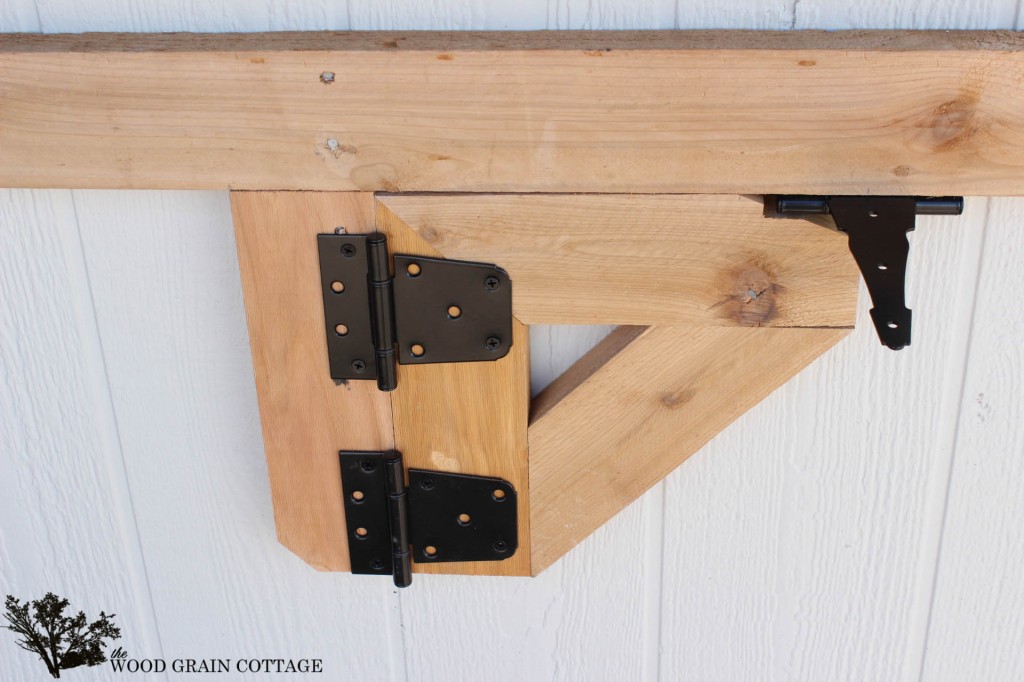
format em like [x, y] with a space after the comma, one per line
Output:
[719, 307]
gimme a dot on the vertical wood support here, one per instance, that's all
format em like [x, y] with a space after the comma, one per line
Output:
[306, 418]
[466, 417]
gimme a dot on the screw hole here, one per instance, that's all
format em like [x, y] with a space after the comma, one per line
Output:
[464, 519]
[500, 546]
[337, 287]
[327, 77]
[413, 270]
[361, 533]
[454, 312]
[341, 330]
[417, 350]
[377, 564]
[358, 496]
[430, 551]
[498, 494]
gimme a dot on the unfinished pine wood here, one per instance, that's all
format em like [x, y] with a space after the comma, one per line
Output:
[866, 112]
[306, 417]
[465, 417]
[636, 407]
[645, 259]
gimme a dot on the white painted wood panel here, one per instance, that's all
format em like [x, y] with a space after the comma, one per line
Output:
[67, 514]
[977, 619]
[802, 544]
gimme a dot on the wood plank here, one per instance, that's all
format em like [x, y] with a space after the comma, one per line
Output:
[713, 111]
[636, 407]
[465, 417]
[306, 418]
[645, 259]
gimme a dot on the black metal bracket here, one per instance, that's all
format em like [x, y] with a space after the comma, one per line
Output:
[439, 517]
[877, 228]
[433, 310]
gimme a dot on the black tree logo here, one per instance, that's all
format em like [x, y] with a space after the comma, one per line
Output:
[61, 641]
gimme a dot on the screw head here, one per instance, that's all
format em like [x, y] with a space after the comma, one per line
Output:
[348, 250]
[377, 564]
[493, 343]
[491, 283]
[358, 366]
[368, 465]
[500, 546]
[427, 484]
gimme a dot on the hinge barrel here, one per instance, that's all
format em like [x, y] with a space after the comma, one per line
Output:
[382, 311]
[794, 206]
[398, 517]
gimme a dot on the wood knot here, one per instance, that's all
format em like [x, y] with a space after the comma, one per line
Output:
[429, 234]
[752, 295]
[675, 399]
[953, 123]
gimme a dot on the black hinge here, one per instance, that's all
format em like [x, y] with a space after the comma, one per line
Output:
[877, 228]
[439, 517]
[433, 310]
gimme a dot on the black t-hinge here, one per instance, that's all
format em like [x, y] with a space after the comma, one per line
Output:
[877, 228]
[438, 517]
[433, 310]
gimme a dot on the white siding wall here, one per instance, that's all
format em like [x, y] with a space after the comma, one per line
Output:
[865, 522]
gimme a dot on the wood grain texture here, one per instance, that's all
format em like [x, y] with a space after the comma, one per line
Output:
[306, 417]
[645, 259]
[975, 632]
[651, 399]
[713, 112]
[465, 417]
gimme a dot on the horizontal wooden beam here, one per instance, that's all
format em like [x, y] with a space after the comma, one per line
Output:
[644, 259]
[713, 112]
